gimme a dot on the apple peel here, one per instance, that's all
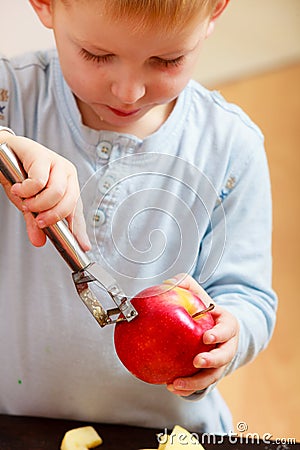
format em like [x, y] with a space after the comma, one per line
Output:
[201, 313]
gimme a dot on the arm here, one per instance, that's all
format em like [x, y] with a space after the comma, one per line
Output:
[51, 189]
[240, 285]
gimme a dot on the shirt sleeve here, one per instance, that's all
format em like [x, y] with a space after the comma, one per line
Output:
[241, 280]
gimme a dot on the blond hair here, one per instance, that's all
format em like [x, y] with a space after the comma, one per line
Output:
[163, 14]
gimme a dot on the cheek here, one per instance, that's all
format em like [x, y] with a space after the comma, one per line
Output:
[170, 86]
[77, 82]
[84, 79]
[85, 83]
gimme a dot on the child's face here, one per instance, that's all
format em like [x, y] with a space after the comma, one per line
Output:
[123, 80]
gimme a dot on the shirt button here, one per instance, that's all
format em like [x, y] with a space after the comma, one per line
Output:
[99, 217]
[105, 184]
[104, 149]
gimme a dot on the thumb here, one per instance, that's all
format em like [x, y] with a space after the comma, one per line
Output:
[77, 225]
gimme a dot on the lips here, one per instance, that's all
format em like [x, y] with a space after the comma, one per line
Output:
[122, 113]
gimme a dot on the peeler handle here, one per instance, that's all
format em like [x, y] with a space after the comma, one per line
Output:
[59, 233]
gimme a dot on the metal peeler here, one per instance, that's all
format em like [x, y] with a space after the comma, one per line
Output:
[86, 274]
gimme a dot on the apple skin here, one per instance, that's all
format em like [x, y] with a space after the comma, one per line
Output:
[160, 344]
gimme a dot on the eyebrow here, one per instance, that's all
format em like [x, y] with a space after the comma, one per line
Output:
[174, 54]
[179, 52]
[90, 46]
[94, 48]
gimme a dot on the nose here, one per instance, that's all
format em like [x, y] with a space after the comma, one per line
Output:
[128, 89]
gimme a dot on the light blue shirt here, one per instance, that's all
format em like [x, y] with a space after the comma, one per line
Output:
[192, 197]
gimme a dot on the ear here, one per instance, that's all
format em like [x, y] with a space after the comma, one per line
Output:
[219, 8]
[43, 8]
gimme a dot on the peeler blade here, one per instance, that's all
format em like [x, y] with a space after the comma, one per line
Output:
[94, 277]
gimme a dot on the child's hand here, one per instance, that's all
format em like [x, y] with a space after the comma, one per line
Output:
[51, 190]
[213, 363]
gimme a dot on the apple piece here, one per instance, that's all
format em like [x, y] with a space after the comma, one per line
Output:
[81, 438]
[160, 344]
[180, 439]
[162, 446]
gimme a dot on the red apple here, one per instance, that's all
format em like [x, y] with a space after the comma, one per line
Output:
[160, 344]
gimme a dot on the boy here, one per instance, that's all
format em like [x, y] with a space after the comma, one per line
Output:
[173, 179]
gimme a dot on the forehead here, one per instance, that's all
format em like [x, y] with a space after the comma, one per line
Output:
[100, 29]
[162, 14]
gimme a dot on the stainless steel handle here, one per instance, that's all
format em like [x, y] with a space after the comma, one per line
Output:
[59, 234]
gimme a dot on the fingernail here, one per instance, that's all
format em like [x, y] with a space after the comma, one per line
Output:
[179, 384]
[41, 223]
[24, 208]
[88, 245]
[210, 338]
[200, 362]
[13, 189]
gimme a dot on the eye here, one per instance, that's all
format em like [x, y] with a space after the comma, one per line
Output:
[95, 58]
[168, 63]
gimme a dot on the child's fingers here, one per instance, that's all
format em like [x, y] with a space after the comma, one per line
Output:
[76, 224]
[197, 382]
[57, 212]
[35, 182]
[78, 227]
[37, 169]
[50, 190]
[212, 359]
[74, 217]
[36, 236]
[218, 357]
[79, 230]
[53, 194]
[226, 327]
[58, 198]
[182, 393]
